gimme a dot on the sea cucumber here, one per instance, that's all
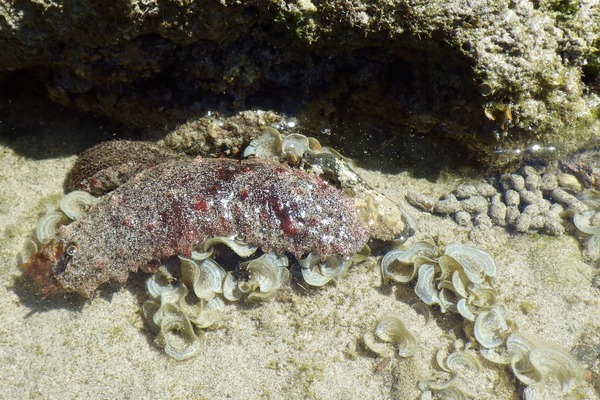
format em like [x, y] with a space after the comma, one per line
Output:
[108, 165]
[174, 207]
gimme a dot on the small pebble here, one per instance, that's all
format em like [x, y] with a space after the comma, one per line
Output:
[475, 204]
[556, 209]
[528, 170]
[464, 191]
[568, 200]
[562, 196]
[517, 181]
[569, 182]
[421, 201]
[512, 213]
[543, 204]
[447, 205]
[532, 210]
[485, 189]
[548, 182]
[578, 206]
[512, 181]
[511, 198]
[537, 222]
[529, 197]
[482, 219]
[498, 213]
[522, 223]
[462, 218]
[532, 182]
[554, 226]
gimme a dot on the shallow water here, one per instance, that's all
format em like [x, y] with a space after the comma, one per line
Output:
[304, 344]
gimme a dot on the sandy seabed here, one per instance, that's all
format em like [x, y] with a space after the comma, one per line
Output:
[306, 344]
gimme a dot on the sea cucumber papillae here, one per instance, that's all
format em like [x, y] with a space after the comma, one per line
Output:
[174, 207]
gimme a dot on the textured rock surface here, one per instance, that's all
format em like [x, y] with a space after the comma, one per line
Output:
[478, 71]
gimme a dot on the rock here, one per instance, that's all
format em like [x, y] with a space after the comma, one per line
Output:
[498, 211]
[569, 182]
[462, 218]
[154, 65]
[475, 204]
[548, 182]
[447, 205]
[464, 191]
[522, 223]
[512, 198]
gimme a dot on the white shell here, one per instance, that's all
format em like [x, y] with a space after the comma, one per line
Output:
[201, 255]
[592, 248]
[489, 327]
[375, 346]
[231, 291]
[206, 278]
[206, 314]
[533, 362]
[295, 144]
[451, 389]
[48, 225]
[497, 355]
[149, 308]
[265, 276]
[518, 348]
[391, 329]
[240, 248]
[460, 282]
[392, 269]
[583, 224]
[266, 146]
[448, 299]
[473, 261]
[482, 296]
[463, 309]
[424, 287]
[177, 334]
[558, 364]
[316, 273]
[460, 361]
[75, 204]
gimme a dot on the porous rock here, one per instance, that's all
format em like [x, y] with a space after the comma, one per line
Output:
[151, 65]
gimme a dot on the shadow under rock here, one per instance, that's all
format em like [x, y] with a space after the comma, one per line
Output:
[38, 129]
[30, 296]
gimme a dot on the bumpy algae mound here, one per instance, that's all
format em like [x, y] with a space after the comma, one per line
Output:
[493, 76]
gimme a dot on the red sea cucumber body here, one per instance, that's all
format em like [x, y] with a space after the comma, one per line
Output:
[174, 207]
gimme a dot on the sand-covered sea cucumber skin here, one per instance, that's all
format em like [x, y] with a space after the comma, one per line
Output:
[174, 207]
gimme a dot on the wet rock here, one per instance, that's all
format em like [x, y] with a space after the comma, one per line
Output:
[151, 65]
[569, 182]
[512, 198]
[474, 205]
[447, 205]
[522, 223]
[548, 182]
[462, 218]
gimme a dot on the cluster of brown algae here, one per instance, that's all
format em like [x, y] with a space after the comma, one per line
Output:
[458, 279]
